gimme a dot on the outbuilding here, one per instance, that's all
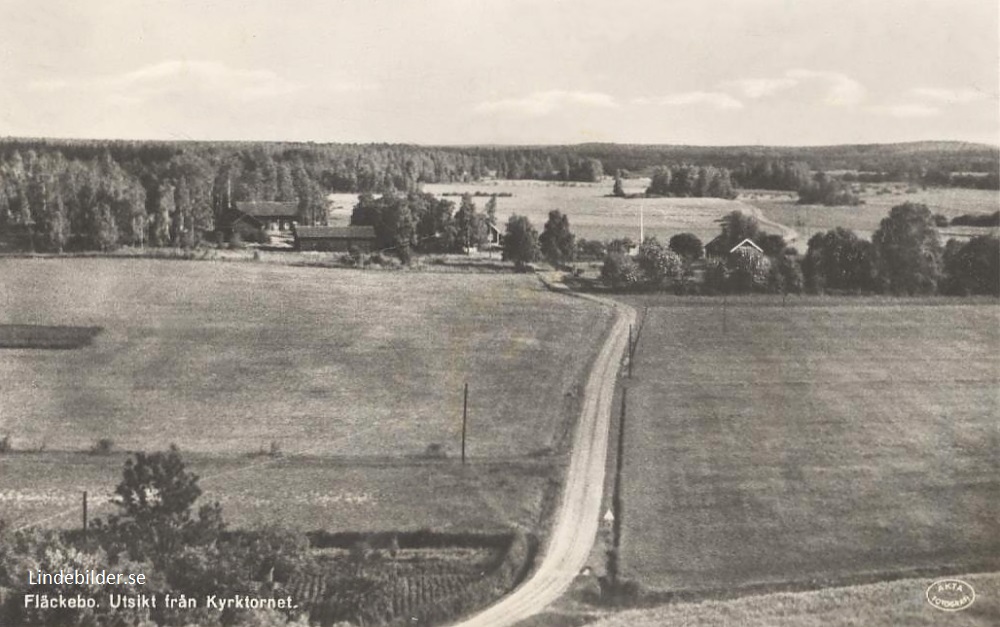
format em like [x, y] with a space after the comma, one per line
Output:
[335, 238]
[268, 216]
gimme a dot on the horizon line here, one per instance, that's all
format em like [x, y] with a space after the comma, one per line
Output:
[15, 138]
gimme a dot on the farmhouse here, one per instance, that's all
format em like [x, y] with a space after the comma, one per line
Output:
[717, 247]
[492, 235]
[335, 238]
[748, 244]
[266, 216]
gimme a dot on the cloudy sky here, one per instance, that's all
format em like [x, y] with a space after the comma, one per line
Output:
[503, 71]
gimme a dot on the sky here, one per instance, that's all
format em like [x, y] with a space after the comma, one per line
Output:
[705, 72]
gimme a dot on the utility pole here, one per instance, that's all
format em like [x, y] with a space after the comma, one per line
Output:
[642, 232]
[630, 351]
[465, 415]
[614, 562]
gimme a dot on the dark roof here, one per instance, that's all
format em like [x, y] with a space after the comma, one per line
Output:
[335, 232]
[268, 209]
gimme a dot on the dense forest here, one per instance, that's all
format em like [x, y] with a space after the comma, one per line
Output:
[906, 161]
[93, 194]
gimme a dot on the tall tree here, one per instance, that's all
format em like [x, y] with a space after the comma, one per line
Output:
[57, 224]
[908, 250]
[687, 245]
[618, 190]
[104, 234]
[619, 270]
[520, 243]
[736, 226]
[657, 263]
[839, 260]
[163, 216]
[491, 210]
[470, 225]
[748, 269]
[558, 244]
[973, 267]
[786, 275]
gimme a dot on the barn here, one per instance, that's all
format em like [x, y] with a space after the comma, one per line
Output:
[335, 238]
[268, 216]
[747, 244]
[493, 236]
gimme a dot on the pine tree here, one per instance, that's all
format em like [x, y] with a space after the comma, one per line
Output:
[618, 189]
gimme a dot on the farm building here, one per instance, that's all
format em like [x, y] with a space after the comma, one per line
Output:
[718, 247]
[748, 244]
[492, 235]
[335, 238]
[266, 215]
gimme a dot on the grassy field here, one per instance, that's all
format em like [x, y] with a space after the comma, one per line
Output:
[826, 442]
[299, 492]
[595, 215]
[351, 375]
[893, 603]
[864, 219]
[228, 358]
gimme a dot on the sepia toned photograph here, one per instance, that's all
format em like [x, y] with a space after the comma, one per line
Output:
[499, 313]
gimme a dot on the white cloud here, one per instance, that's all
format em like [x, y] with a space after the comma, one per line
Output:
[176, 76]
[760, 87]
[950, 96]
[714, 99]
[543, 103]
[910, 110]
[842, 90]
[838, 89]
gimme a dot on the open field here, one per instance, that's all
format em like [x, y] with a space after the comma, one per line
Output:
[892, 603]
[307, 493]
[864, 219]
[352, 384]
[830, 441]
[228, 358]
[595, 215]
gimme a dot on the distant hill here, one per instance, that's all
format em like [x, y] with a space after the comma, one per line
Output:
[951, 156]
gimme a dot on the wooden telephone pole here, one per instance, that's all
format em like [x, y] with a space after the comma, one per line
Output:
[631, 351]
[465, 416]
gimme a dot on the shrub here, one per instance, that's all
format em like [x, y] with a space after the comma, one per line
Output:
[658, 264]
[687, 245]
[972, 267]
[976, 219]
[104, 446]
[619, 271]
[435, 451]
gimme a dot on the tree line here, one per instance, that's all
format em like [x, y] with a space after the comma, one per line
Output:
[892, 162]
[422, 222]
[90, 194]
[904, 257]
[697, 181]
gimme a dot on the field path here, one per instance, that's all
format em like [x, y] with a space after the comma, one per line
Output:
[787, 232]
[576, 521]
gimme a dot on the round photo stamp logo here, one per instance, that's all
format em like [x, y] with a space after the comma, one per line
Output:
[951, 595]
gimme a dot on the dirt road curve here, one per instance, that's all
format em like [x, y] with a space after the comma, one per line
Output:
[576, 521]
[790, 234]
